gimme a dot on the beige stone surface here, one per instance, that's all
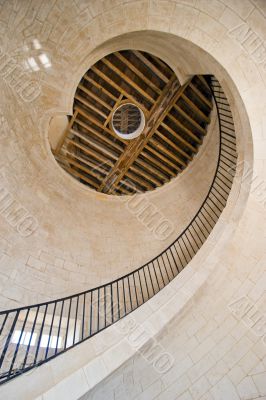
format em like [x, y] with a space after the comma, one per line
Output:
[216, 354]
[80, 238]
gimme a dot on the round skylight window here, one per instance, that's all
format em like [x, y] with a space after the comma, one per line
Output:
[128, 121]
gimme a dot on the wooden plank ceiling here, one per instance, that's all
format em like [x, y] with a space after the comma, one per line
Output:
[176, 122]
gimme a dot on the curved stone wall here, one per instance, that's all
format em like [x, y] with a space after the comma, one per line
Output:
[75, 238]
[219, 350]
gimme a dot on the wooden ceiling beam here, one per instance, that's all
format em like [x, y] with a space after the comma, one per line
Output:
[132, 175]
[154, 171]
[168, 97]
[204, 82]
[123, 189]
[96, 146]
[151, 169]
[90, 118]
[101, 88]
[93, 131]
[72, 172]
[161, 156]
[191, 120]
[180, 139]
[91, 106]
[91, 152]
[165, 150]
[145, 174]
[171, 143]
[196, 108]
[94, 96]
[154, 160]
[129, 184]
[143, 77]
[117, 87]
[108, 119]
[128, 80]
[162, 64]
[185, 129]
[96, 169]
[201, 96]
[149, 64]
[81, 167]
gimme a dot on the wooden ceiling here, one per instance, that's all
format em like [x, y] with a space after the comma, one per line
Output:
[176, 122]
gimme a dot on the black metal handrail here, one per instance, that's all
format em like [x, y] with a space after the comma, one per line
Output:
[33, 335]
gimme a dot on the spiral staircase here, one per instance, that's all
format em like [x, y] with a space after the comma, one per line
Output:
[36, 334]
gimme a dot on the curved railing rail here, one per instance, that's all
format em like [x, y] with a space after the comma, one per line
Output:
[32, 335]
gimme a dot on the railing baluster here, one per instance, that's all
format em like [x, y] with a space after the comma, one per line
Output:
[68, 320]
[146, 283]
[178, 256]
[40, 334]
[169, 263]
[9, 338]
[59, 327]
[182, 250]
[83, 315]
[50, 331]
[124, 295]
[98, 311]
[104, 294]
[112, 303]
[3, 323]
[18, 343]
[188, 252]
[154, 270]
[161, 271]
[30, 339]
[91, 309]
[76, 317]
[151, 280]
[118, 300]
[135, 290]
[174, 262]
[130, 298]
[141, 289]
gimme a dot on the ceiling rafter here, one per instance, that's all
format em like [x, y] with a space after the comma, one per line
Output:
[91, 106]
[119, 88]
[164, 149]
[149, 64]
[157, 114]
[196, 108]
[190, 119]
[100, 87]
[128, 80]
[138, 72]
[176, 120]
[94, 96]
[99, 135]
[154, 160]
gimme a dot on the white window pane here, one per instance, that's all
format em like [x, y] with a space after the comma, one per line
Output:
[54, 341]
[16, 336]
[27, 338]
[60, 342]
[44, 340]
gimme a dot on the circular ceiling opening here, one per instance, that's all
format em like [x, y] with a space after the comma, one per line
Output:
[128, 121]
[133, 127]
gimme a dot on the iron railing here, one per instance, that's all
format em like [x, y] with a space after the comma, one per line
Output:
[33, 335]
